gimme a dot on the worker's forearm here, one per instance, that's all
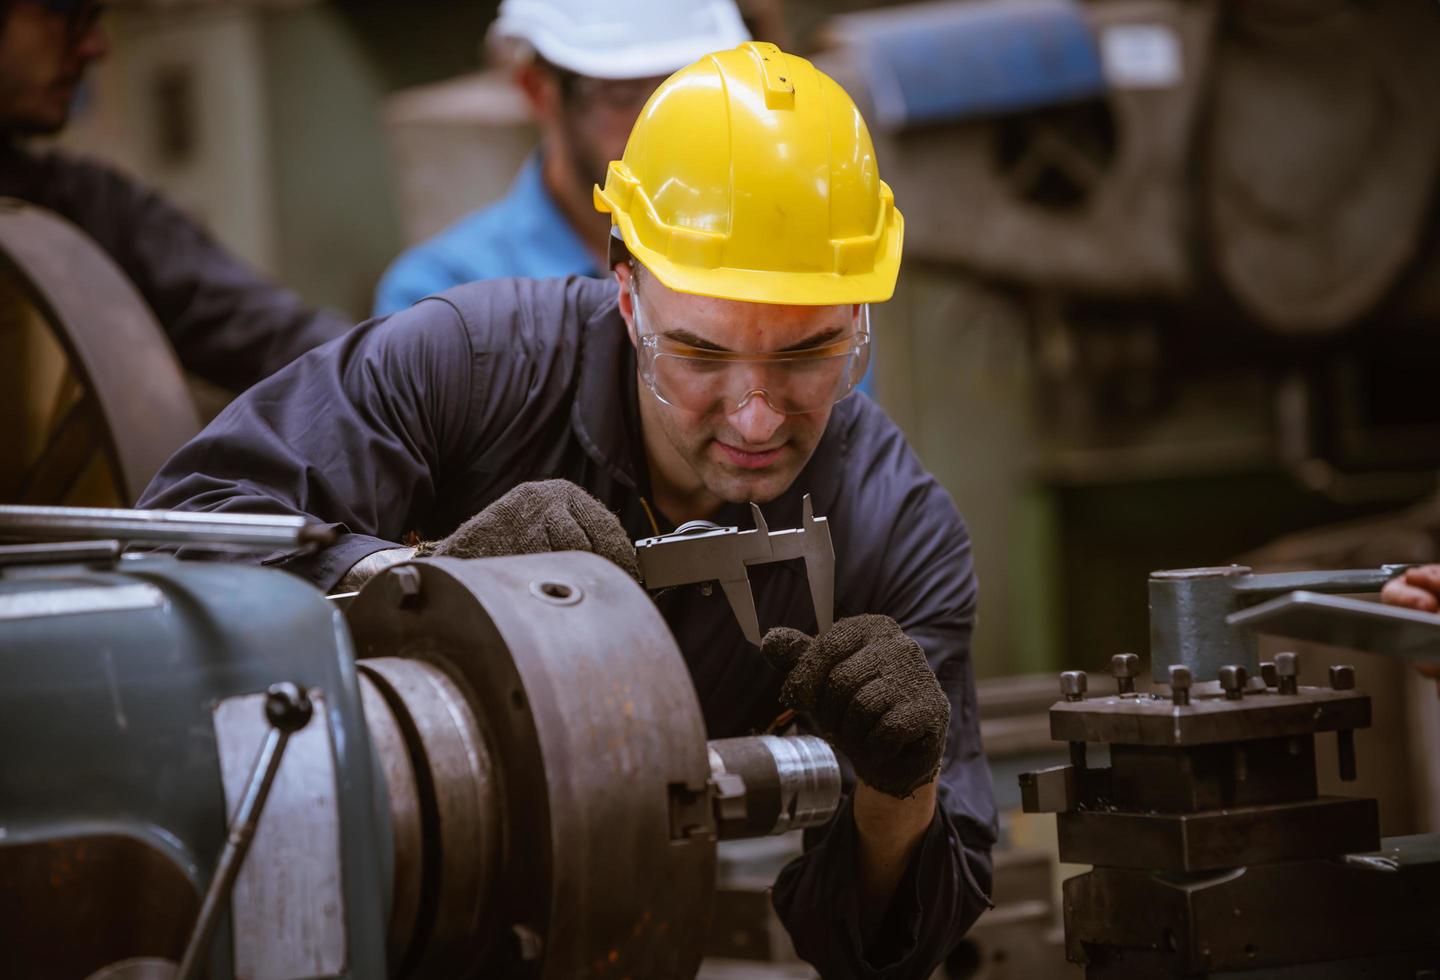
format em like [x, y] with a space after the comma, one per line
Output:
[889, 831]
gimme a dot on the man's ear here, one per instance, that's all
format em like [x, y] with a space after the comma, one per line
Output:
[541, 90]
[624, 275]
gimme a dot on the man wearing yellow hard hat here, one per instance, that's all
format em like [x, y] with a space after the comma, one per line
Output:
[752, 231]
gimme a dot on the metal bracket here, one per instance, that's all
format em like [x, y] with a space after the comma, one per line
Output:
[701, 551]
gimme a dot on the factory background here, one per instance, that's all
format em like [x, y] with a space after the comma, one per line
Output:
[1185, 312]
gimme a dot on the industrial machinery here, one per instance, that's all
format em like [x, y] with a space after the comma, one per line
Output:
[93, 396]
[476, 768]
[1213, 854]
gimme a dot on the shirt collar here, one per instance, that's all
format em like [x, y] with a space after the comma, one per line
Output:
[531, 208]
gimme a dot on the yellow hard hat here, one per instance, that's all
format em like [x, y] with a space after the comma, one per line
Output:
[750, 175]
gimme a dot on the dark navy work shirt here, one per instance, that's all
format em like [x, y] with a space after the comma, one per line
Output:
[227, 324]
[417, 421]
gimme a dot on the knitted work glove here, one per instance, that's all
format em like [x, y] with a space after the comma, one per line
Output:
[871, 691]
[550, 515]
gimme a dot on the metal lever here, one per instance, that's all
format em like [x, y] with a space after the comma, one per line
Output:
[703, 552]
[259, 532]
[288, 709]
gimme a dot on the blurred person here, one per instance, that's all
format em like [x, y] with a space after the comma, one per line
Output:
[227, 324]
[585, 70]
[717, 367]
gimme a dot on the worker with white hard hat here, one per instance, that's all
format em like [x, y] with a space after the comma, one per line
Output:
[585, 71]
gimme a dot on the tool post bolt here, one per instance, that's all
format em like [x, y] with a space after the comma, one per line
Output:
[1268, 674]
[1073, 684]
[1287, 672]
[1180, 681]
[1125, 667]
[1232, 680]
[1342, 678]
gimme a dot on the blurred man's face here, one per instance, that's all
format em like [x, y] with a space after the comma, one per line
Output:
[44, 51]
[584, 121]
[598, 116]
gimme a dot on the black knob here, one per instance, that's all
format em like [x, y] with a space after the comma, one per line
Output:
[287, 707]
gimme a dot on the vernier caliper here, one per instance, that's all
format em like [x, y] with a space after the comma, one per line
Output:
[700, 551]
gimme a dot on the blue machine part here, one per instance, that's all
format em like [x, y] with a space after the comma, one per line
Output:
[947, 62]
[111, 800]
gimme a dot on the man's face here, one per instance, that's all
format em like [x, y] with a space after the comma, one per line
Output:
[596, 116]
[43, 56]
[753, 452]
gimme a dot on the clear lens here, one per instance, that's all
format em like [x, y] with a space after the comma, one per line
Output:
[794, 383]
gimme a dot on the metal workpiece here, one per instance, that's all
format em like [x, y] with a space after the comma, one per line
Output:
[257, 532]
[786, 783]
[701, 552]
[1195, 612]
[597, 746]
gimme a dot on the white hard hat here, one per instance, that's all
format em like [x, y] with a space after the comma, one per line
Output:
[629, 39]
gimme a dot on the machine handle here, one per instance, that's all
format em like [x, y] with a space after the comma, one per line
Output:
[288, 709]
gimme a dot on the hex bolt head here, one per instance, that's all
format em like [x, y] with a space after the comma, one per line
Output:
[1342, 677]
[1287, 672]
[1073, 684]
[288, 707]
[1232, 680]
[1125, 667]
[1268, 674]
[407, 584]
[1180, 681]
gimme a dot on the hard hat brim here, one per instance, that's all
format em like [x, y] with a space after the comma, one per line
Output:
[768, 286]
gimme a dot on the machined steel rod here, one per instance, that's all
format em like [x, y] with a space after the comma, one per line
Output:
[260, 531]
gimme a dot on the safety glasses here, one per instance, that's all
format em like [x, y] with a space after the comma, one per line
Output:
[791, 382]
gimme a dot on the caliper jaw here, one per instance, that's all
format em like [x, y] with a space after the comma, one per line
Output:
[700, 551]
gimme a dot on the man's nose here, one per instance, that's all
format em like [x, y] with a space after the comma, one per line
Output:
[756, 421]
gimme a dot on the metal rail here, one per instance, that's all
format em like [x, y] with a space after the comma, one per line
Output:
[259, 531]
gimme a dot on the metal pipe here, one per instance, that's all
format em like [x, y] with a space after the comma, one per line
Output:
[260, 531]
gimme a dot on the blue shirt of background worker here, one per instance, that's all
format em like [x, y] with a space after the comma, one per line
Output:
[522, 234]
